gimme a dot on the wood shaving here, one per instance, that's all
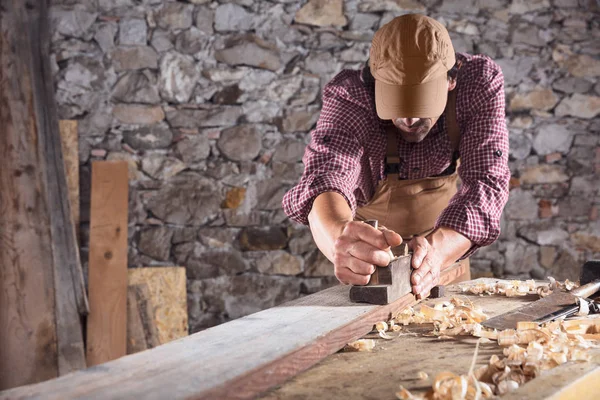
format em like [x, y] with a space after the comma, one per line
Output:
[361, 345]
[524, 325]
[582, 326]
[449, 318]
[422, 375]
[543, 291]
[566, 285]
[381, 326]
[384, 335]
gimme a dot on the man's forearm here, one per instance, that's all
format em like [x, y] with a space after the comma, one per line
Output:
[329, 213]
[449, 244]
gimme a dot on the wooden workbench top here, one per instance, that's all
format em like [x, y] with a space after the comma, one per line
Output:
[244, 358]
[379, 373]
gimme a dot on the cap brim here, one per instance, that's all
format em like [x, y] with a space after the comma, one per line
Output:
[426, 100]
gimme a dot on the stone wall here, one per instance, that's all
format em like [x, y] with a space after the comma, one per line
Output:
[211, 104]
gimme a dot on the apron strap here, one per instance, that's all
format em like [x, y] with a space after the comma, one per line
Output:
[392, 161]
[451, 122]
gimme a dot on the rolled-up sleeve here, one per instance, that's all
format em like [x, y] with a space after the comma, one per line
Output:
[331, 159]
[476, 209]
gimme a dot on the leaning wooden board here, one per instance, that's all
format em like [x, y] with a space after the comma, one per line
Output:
[378, 374]
[107, 276]
[239, 359]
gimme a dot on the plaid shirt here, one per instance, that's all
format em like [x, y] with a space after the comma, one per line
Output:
[347, 150]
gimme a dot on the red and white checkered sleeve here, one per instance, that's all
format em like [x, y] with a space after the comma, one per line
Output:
[331, 159]
[476, 208]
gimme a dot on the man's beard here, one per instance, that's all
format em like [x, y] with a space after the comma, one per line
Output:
[415, 133]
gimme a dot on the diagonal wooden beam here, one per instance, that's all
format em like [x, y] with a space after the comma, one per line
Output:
[235, 360]
[41, 285]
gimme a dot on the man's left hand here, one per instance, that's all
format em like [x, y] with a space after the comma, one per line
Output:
[427, 264]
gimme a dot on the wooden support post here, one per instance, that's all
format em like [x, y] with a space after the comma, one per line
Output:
[41, 285]
[107, 276]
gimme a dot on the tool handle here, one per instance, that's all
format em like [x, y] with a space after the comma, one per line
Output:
[587, 290]
[375, 275]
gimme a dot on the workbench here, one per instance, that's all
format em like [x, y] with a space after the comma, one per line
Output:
[378, 374]
[296, 346]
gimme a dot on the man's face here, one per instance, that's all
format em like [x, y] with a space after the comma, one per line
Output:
[414, 130]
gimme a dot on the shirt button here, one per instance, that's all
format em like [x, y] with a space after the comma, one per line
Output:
[498, 153]
[326, 139]
[416, 169]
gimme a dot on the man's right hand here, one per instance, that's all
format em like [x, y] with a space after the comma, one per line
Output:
[353, 247]
[359, 248]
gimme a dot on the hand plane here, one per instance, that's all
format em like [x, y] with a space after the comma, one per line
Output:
[389, 283]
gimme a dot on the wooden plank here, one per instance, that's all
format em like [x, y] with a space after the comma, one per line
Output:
[71, 295]
[234, 360]
[40, 328]
[168, 296]
[70, 298]
[70, 149]
[141, 330]
[238, 359]
[107, 276]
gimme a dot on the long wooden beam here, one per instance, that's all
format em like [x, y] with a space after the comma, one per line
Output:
[235, 360]
[41, 284]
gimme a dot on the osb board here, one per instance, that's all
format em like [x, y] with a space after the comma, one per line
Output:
[167, 289]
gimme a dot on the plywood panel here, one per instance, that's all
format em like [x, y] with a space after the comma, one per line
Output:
[168, 296]
[107, 276]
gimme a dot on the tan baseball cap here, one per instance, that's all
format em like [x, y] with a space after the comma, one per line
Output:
[410, 58]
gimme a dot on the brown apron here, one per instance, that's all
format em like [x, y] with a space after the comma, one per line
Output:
[410, 207]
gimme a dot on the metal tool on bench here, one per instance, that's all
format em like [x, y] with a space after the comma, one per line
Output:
[389, 283]
[555, 306]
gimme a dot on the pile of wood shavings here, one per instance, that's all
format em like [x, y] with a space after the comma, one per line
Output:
[516, 288]
[455, 317]
[530, 349]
